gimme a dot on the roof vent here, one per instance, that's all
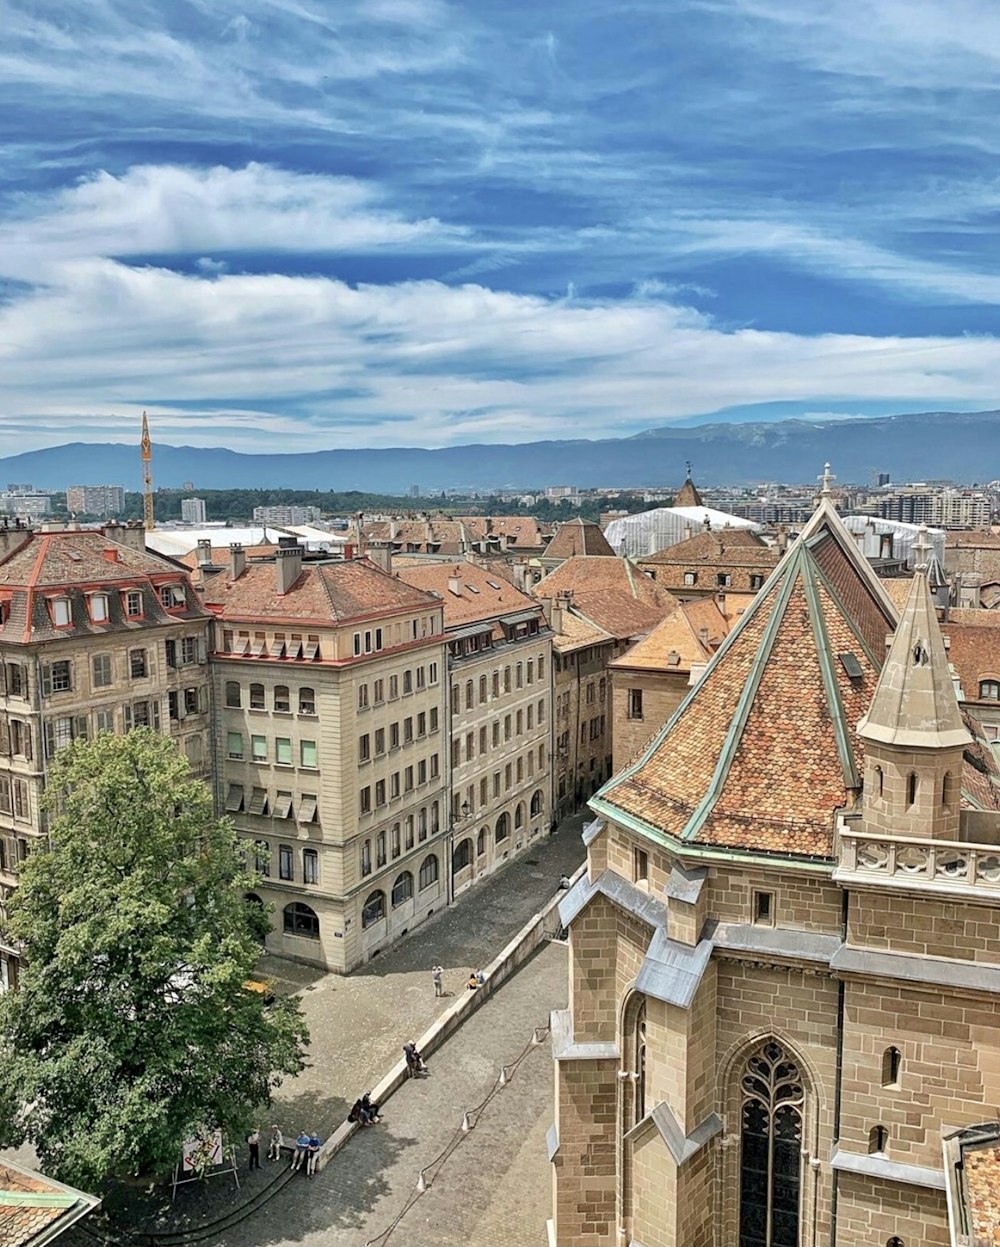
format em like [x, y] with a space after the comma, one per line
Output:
[851, 665]
[112, 555]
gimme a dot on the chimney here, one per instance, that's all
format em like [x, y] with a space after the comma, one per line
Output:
[204, 553]
[287, 563]
[782, 539]
[703, 636]
[392, 530]
[132, 535]
[381, 555]
[112, 554]
[237, 560]
[12, 536]
[455, 583]
[552, 610]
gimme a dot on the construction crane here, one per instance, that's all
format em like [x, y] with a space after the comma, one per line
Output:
[148, 521]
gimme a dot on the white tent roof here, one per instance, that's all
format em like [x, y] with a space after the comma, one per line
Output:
[868, 529]
[177, 541]
[650, 531]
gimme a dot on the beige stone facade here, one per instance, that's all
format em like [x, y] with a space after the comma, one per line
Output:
[331, 745]
[765, 1046]
[499, 716]
[96, 635]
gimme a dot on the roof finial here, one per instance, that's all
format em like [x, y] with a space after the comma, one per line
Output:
[921, 550]
[827, 480]
[688, 466]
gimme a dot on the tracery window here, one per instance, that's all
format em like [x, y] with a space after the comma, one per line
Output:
[770, 1149]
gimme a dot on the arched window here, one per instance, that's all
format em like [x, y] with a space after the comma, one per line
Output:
[640, 1064]
[879, 781]
[519, 815]
[257, 697]
[233, 693]
[429, 871]
[911, 788]
[506, 679]
[470, 695]
[536, 802]
[770, 1149]
[366, 857]
[502, 828]
[989, 690]
[482, 690]
[282, 701]
[301, 920]
[895, 1242]
[307, 701]
[402, 889]
[374, 909]
[462, 856]
[878, 1139]
[481, 842]
[892, 1060]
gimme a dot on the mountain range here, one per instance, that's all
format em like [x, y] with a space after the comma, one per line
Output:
[961, 446]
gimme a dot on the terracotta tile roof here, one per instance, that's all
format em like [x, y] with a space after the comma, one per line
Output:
[981, 1173]
[737, 546]
[898, 588]
[331, 593]
[677, 638]
[220, 555]
[765, 749]
[480, 596]
[456, 534]
[597, 573]
[687, 495]
[980, 772]
[577, 633]
[27, 1223]
[974, 649]
[71, 565]
[578, 537]
[617, 614]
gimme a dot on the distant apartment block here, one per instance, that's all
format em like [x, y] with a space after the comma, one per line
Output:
[283, 516]
[24, 500]
[103, 500]
[193, 510]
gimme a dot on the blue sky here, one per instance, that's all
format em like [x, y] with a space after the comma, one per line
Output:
[293, 224]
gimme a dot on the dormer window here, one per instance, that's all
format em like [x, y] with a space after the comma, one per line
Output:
[61, 615]
[172, 596]
[98, 603]
[132, 601]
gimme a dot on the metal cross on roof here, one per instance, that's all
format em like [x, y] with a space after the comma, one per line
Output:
[827, 479]
[921, 550]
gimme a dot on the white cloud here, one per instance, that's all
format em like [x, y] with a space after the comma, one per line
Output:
[314, 362]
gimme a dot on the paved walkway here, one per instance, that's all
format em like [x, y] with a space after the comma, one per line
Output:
[357, 1025]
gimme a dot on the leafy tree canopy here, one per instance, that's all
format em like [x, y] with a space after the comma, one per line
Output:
[132, 1026]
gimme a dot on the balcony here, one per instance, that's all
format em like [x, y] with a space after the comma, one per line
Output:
[954, 867]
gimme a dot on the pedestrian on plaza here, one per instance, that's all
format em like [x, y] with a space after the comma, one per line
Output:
[436, 976]
[369, 1111]
[312, 1152]
[275, 1144]
[480, 978]
[253, 1143]
[415, 1063]
[301, 1148]
[473, 982]
[355, 1113]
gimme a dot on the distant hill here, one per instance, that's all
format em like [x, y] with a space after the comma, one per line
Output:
[963, 446]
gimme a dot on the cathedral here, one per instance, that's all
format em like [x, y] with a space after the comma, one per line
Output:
[785, 953]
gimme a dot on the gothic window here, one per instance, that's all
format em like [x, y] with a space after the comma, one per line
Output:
[639, 1102]
[770, 1149]
[892, 1061]
[911, 788]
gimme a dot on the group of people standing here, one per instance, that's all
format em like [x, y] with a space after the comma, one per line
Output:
[305, 1152]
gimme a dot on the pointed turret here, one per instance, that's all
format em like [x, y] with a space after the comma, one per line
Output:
[914, 704]
[913, 731]
[687, 495]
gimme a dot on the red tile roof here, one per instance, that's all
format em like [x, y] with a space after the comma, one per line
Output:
[469, 593]
[578, 537]
[25, 1223]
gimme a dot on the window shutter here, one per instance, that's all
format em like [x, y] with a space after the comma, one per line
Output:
[3, 679]
[47, 680]
[202, 650]
[5, 736]
[156, 714]
[26, 733]
[203, 698]
[127, 718]
[80, 727]
[50, 739]
[171, 651]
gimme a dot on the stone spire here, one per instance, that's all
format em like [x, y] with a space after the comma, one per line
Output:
[914, 705]
[687, 495]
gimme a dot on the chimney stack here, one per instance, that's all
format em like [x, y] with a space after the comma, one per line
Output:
[12, 536]
[237, 560]
[204, 553]
[287, 563]
[455, 583]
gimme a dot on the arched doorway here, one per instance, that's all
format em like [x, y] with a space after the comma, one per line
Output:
[771, 1105]
[461, 856]
[502, 827]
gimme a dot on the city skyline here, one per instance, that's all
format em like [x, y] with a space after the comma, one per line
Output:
[421, 223]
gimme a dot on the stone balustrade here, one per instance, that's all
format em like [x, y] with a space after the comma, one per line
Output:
[943, 864]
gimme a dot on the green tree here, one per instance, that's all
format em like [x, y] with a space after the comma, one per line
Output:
[132, 1026]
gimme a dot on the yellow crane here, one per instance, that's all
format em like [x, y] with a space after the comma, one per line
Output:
[148, 522]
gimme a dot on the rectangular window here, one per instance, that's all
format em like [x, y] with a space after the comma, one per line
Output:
[379, 741]
[258, 801]
[307, 754]
[378, 692]
[61, 615]
[101, 668]
[393, 687]
[407, 731]
[282, 805]
[420, 677]
[432, 673]
[435, 766]
[408, 779]
[407, 681]
[422, 724]
[99, 607]
[362, 696]
[394, 784]
[310, 866]
[380, 792]
[285, 868]
[364, 748]
[257, 701]
[258, 748]
[133, 604]
[170, 653]
[137, 668]
[189, 649]
[283, 751]
[434, 718]
[22, 804]
[763, 908]
[393, 735]
[422, 771]
[640, 865]
[57, 677]
[104, 720]
[635, 703]
[365, 800]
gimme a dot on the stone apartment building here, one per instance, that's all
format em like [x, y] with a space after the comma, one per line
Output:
[96, 635]
[500, 715]
[331, 748]
[717, 560]
[651, 679]
[785, 954]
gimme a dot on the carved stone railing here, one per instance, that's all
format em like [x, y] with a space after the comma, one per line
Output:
[944, 864]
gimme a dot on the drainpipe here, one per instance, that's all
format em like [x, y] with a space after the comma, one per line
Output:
[838, 1084]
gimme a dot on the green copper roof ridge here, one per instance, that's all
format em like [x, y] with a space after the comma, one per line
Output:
[825, 657]
[738, 722]
[758, 604]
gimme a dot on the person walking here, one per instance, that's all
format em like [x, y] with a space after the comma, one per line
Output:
[437, 975]
[275, 1144]
[253, 1143]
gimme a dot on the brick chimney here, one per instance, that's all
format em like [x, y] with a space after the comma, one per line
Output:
[132, 534]
[287, 564]
[13, 535]
[237, 560]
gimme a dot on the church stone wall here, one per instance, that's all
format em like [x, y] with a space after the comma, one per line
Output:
[586, 1110]
[924, 926]
[870, 1212]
